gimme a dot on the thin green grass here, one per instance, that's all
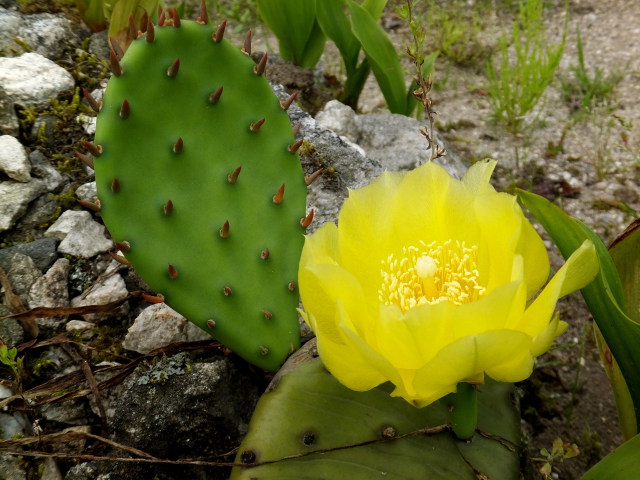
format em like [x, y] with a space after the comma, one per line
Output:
[584, 90]
[522, 68]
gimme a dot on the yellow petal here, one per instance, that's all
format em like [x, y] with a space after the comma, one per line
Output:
[320, 287]
[579, 269]
[478, 175]
[536, 258]
[353, 362]
[470, 356]
[500, 226]
[543, 341]
[430, 205]
[321, 247]
[366, 231]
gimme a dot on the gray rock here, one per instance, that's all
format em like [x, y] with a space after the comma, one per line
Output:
[10, 23]
[41, 168]
[85, 471]
[158, 326]
[205, 406]
[50, 470]
[99, 45]
[43, 130]
[11, 332]
[13, 159]
[45, 33]
[87, 192]
[11, 468]
[42, 252]
[345, 166]
[85, 329]
[72, 412]
[29, 80]
[22, 274]
[48, 34]
[79, 234]
[394, 140]
[15, 198]
[42, 212]
[32, 79]
[51, 290]
[108, 288]
[12, 423]
[8, 119]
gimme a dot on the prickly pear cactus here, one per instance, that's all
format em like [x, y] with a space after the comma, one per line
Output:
[309, 411]
[200, 185]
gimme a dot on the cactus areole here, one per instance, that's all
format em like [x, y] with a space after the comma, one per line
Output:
[192, 154]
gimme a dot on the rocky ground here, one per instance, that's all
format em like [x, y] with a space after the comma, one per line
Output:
[55, 253]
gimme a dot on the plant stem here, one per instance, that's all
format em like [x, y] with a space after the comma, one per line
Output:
[464, 410]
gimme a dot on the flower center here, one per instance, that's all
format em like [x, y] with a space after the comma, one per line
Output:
[431, 273]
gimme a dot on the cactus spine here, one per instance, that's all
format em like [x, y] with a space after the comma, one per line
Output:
[195, 172]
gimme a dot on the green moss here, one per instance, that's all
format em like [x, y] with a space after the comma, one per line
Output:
[307, 149]
[67, 199]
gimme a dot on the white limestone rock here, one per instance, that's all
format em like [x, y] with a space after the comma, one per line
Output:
[87, 192]
[32, 79]
[108, 288]
[14, 199]
[51, 290]
[79, 234]
[158, 326]
[13, 159]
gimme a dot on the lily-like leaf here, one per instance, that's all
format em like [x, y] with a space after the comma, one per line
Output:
[300, 38]
[604, 295]
[382, 57]
[624, 252]
[122, 10]
[335, 24]
[92, 12]
[374, 7]
[621, 464]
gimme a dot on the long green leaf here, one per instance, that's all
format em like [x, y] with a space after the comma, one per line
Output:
[294, 24]
[382, 57]
[354, 84]
[621, 464]
[336, 25]
[603, 296]
[374, 7]
[625, 252]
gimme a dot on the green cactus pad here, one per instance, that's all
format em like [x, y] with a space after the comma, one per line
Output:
[310, 410]
[220, 249]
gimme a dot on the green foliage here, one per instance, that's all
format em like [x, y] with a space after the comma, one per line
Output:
[584, 90]
[524, 67]
[243, 14]
[605, 296]
[220, 249]
[455, 31]
[365, 435]
[98, 14]
[294, 23]
[381, 56]
[559, 452]
[9, 358]
[621, 464]
[303, 26]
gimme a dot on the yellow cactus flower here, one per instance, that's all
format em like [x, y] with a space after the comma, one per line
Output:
[428, 281]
